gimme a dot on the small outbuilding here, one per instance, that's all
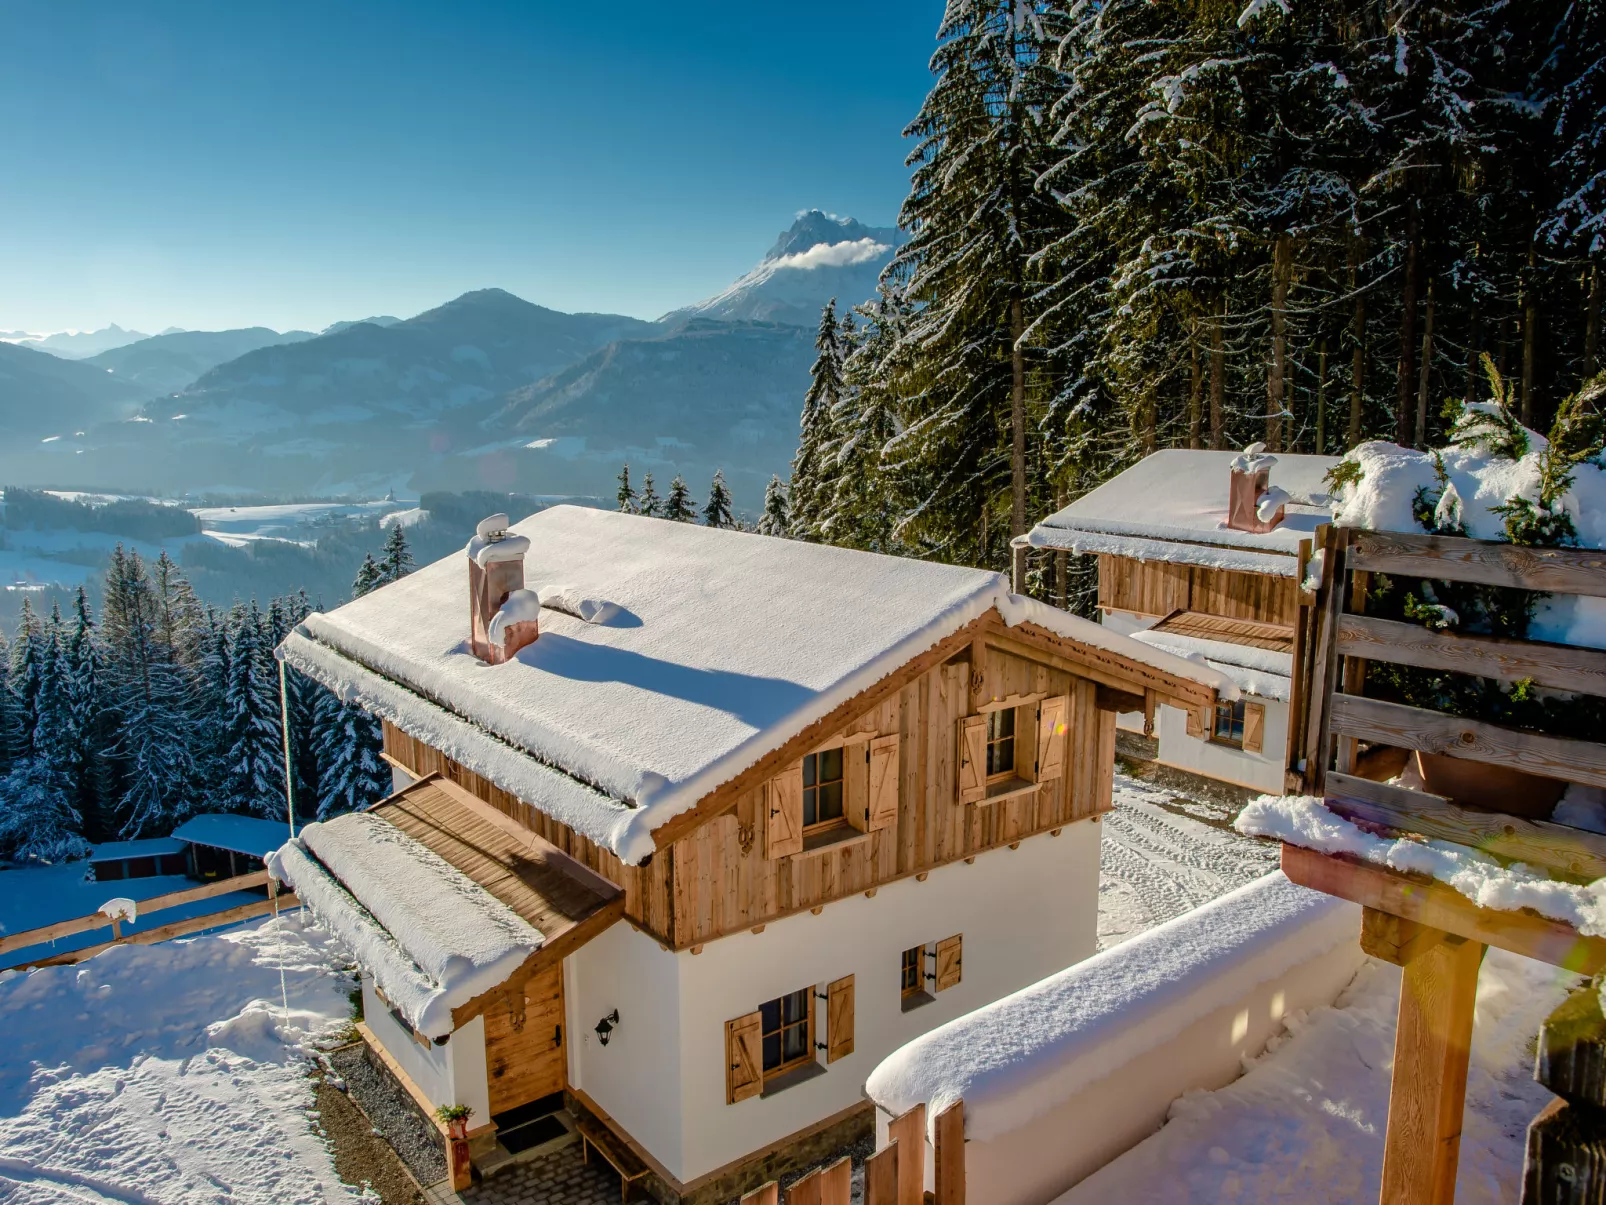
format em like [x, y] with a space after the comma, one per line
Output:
[112, 861]
[1204, 554]
[222, 846]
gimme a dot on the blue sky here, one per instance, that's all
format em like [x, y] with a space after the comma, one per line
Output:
[212, 165]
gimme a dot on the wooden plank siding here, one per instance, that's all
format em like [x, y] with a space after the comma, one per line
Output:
[1160, 587]
[716, 880]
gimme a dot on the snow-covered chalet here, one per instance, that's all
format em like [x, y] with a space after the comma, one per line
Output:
[1203, 553]
[695, 826]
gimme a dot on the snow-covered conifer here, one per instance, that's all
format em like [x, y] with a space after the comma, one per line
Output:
[396, 562]
[626, 497]
[253, 767]
[648, 502]
[347, 742]
[774, 521]
[678, 505]
[369, 576]
[717, 511]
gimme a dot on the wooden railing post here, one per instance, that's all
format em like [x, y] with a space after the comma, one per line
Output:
[764, 1194]
[1431, 1046]
[950, 1157]
[806, 1191]
[908, 1134]
[836, 1183]
[881, 1177]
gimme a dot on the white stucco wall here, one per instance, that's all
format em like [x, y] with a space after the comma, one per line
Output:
[1023, 913]
[635, 1078]
[1263, 771]
[453, 1073]
[430, 1069]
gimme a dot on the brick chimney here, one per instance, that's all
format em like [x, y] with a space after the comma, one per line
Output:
[1250, 479]
[495, 570]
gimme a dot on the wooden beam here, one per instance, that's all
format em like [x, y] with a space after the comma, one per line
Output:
[1451, 558]
[1108, 698]
[156, 903]
[724, 796]
[1472, 740]
[1442, 907]
[1571, 851]
[549, 954]
[1395, 939]
[1324, 655]
[181, 928]
[950, 1156]
[1428, 1094]
[1562, 666]
[1101, 665]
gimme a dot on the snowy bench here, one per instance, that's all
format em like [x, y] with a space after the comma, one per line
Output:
[1063, 1076]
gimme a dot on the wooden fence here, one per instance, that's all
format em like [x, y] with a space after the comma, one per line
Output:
[1435, 934]
[195, 924]
[894, 1175]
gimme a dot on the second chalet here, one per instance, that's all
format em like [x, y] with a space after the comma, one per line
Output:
[1205, 553]
[694, 827]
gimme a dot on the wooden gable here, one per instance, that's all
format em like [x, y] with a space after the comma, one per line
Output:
[739, 859]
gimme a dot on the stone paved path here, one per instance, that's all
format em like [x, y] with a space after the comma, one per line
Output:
[556, 1178]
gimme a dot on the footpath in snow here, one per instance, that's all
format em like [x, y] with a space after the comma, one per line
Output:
[172, 1073]
[1165, 853]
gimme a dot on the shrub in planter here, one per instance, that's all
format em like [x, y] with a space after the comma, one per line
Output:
[1494, 480]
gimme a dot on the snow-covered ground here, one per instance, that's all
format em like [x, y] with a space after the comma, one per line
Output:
[296, 522]
[1306, 1123]
[172, 1074]
[1165, 853]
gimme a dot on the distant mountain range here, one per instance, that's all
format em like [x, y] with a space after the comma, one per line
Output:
[486, 391]
[75, 345]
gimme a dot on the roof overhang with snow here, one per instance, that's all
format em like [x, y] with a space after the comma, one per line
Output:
[725, 646]
[444, 901]
[1172, 506]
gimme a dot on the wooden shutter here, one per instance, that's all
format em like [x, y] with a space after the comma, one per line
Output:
[744, 1057]
[1051, 739]
[783, 834]
[950, 962]
[1196, 728]
[882, 809]
[839, 1019]
[972, 773]
[1254, 727]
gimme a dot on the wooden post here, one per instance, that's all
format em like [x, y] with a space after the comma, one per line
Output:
[908, 1133]
[764, 1194]
[1428, 1095]
[881, 1177]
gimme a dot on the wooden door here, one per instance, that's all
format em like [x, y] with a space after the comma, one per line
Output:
[524, 1056]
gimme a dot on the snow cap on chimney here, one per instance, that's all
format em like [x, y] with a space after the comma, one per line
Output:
[1251, 506]
[495, 571]
[516, 624]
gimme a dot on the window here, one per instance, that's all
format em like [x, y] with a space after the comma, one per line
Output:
[1229, 726]
[788, 1030]
[1000, 742]
[913, 976]
[822, 789]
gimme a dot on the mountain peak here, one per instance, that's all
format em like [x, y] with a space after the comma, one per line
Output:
[814, 226]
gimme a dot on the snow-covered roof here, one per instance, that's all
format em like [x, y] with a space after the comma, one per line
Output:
[1018, 1058]
[239, 834]
[1262, 672]
[1172, 506]
[145, 847]
[439, 898]
[725, 645]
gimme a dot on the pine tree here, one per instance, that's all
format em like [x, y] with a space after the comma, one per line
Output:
[89, 733]
[396, 561]
[254, 763]
[26, 680]
[369, 576]
[347, 741]
[626, 497]
[809, 469]
[647, 502]
[678, 507]
[37, 819]
[774, 521]
[717, 511]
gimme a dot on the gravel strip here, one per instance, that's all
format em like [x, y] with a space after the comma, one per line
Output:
[393, 1112]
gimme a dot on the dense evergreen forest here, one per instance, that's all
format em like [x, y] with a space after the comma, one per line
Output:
[1138, 224]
